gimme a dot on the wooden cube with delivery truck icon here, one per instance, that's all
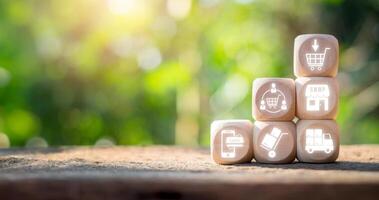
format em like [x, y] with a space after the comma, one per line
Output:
[317, 141]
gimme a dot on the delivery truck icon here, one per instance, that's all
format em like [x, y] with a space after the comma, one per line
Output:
[316, 140]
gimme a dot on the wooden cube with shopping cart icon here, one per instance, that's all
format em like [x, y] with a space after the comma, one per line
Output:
[274, 142]
[316, 97]
[273, 99]
[317, 141]
[316, 55]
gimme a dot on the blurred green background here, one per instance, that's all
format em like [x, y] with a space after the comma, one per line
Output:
[104, 72]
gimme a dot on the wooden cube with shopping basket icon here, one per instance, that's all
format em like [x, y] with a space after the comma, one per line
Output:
[274, 142]
[273, 99]
[316, 97]
[316, 55]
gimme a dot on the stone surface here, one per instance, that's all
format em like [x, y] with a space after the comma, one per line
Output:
[161, 172]
[273, 99]
[316, 98]
[316, 55]
[274, 142]
[232, 141]
[317, 141]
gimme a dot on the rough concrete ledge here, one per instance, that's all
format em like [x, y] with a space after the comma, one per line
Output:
[167, 172]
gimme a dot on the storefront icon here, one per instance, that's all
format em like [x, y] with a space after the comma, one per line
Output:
[317, 96]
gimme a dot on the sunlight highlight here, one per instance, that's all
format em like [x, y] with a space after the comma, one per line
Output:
[126, 7]
[179, 9]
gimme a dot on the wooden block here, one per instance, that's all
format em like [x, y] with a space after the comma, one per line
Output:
[316, 55]
[317, 98]
[232, 141]
[274, 142]
[273, 99]
[317, 141]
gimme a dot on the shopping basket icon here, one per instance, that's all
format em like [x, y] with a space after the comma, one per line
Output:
[316, 60]
[272, 102]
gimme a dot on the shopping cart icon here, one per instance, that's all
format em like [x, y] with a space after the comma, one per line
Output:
[271, 140]
[316, 60]
[270, 100]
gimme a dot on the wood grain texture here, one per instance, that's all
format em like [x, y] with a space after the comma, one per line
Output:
[161, 172]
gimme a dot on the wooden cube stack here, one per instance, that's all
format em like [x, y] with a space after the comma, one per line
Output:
[313, 98]
[274, 137]
[316, 66]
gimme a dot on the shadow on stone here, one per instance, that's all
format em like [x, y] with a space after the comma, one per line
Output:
[340, 165]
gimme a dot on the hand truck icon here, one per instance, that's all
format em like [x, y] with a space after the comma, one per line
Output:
[271, 141]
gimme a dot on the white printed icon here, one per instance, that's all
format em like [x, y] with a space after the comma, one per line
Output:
[230, 140]
[317, 95]
[316, 60]
[315, 140]
[271, 98]
[271, 141]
